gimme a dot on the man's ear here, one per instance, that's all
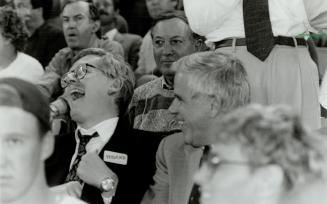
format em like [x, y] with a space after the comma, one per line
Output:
[96, 26]
[47, 145]
[114, 87]
[269, 181]
[200, 45]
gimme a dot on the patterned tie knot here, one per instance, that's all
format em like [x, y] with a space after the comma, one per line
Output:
[84, 140]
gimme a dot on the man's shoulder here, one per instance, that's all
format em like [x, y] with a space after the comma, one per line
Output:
[63, 52]
[107, 44]
[150, 86]
[110, 46]
[131, 37]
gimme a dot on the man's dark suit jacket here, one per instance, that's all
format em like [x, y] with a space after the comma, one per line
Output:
[134, 178]
[44, 43]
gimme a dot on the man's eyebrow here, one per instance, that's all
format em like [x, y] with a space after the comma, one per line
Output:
[177, 36]
[75, 15]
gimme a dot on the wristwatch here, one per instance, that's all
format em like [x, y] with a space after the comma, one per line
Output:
[108, 184]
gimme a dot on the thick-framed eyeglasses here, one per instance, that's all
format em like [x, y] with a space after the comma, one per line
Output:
[78, 72]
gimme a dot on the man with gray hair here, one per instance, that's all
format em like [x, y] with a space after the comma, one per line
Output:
[264, 155]
[100, 160]
[207, 85]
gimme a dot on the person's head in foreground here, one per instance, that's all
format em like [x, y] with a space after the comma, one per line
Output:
[25, 143]
[207, 85]
[98, 86]
[263, 155]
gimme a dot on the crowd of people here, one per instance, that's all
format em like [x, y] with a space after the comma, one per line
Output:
[217, 103]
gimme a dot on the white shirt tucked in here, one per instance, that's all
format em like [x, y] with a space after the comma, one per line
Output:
[220, 19]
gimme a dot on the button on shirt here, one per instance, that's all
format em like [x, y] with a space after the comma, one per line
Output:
[220, 19]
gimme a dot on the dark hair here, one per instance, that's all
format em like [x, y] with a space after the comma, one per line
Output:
[93, 11]
[13, 28]
[116, 4]
[174, 14]
[46, 5]
[19, 93]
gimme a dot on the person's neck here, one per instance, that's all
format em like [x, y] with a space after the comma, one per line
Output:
[108, 27]
[7, 56]
[38, 193]
[98, 118]
[31, 29]
[91, 43]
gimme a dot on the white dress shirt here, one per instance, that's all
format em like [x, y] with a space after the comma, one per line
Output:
[105, 129]
[220, 19]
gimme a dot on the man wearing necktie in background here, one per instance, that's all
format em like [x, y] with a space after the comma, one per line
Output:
[266, 36]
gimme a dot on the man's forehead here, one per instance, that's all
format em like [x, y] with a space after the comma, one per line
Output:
[171, 27]
[76, 8]
[90, 59]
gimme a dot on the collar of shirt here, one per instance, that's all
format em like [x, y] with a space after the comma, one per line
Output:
[105, 129]
[111, 34]
[165, 85]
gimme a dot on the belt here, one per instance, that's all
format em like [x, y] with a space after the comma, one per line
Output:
[279, 40]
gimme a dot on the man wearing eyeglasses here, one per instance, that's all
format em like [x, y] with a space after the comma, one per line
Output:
[104, 161]
[207, 85]
[264, 155]
[81, 27]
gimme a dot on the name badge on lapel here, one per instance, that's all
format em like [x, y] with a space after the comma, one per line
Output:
[115, 157]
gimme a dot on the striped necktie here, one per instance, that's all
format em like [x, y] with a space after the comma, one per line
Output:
[83, 141]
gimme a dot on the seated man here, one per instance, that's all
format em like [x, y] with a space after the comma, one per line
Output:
[264, 155]
[172, 39]
[81, 27]
[104, 159]
[207, 85]
[108, 10]
[146, 63]
[25, 145]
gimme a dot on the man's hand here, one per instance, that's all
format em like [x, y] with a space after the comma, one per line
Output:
[92, 170]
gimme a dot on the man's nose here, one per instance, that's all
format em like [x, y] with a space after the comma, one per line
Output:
[167, 49]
